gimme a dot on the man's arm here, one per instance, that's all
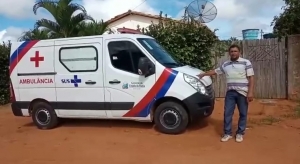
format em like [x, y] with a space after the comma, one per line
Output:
[251, 84]
[212, 72]
[209, 73]
[250, 77]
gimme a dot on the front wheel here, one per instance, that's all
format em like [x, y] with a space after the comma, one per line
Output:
[171, 118]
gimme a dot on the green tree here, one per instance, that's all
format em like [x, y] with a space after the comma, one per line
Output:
[35, 34]
[65, 22]
[288, 22]
[233, 40]
[4, 74]
[220, 47]
[190, 43]
[92, 28]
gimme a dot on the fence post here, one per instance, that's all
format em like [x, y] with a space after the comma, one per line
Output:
[293, 70]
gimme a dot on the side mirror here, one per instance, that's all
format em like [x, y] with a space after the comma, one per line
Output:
[145, 67]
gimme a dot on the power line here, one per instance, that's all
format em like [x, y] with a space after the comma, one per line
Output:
[139, 4]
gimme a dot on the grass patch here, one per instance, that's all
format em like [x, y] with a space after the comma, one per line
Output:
[295, 113]
[269, 120]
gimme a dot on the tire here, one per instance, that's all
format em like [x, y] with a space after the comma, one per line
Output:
[43, 116]
[171, 118]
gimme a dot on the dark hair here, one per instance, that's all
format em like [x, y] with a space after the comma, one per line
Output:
[234, 46]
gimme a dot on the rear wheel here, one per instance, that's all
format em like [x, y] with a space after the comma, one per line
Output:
[43, 116]
[171, 118]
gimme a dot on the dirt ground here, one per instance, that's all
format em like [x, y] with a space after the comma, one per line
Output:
[273, 136]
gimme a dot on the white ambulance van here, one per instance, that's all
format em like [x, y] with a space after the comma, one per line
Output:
[117, 76]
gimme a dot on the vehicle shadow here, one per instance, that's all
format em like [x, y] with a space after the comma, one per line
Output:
[128, 124]
[100, 123]
[208, 122]
[105, 123]
[217, 124]
[29, 124]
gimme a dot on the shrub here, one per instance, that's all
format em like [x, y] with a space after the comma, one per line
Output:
[190, 43]
[4, 73]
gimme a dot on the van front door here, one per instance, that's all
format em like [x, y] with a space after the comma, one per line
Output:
[126, 90]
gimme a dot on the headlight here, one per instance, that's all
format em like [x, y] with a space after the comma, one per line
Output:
[195, 83]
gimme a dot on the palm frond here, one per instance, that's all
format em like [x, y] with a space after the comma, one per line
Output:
[48, 24]
[35, 34]
[76, 6]
[49, 5]
[103, 27]
[66, 12]
[67, 4]
[92, 28]
[67, 22]
[64, 2]
[80, 17]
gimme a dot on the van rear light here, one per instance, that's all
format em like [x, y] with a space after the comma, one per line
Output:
[12, 93]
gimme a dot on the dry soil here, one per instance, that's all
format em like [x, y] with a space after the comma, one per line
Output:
[273, 136]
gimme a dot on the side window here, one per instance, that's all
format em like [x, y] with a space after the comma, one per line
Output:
[125, 55]
[136, 54]
[79, 59]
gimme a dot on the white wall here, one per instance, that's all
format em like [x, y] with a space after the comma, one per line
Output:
[132, 21]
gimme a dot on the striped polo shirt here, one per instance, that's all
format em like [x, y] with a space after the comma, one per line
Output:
[236, 73]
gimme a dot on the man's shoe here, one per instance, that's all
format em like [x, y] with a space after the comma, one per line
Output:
[239, 138]
[226, 137]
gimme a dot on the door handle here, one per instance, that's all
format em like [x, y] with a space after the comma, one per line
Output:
[115, 82]
[90, 82]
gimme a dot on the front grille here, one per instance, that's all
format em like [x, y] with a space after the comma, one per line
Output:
[210, 91]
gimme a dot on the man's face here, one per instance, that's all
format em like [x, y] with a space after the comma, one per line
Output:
[234, 53]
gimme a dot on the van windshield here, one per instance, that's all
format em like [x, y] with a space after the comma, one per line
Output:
[159, 53]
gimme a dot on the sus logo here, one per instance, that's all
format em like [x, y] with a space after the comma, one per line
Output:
[74, 81]
[66, 80]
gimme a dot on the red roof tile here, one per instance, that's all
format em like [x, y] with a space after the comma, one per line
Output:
[129, 12]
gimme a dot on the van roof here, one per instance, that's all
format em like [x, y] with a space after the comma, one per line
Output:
[105, 36]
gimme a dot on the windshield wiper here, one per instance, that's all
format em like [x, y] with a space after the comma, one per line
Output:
[172, 64]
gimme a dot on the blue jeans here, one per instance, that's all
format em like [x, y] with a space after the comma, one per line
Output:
[234, 98]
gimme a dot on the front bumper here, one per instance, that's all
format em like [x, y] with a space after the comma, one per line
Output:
[199, 105]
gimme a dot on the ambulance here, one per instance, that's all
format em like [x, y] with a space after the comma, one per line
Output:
[116, 76]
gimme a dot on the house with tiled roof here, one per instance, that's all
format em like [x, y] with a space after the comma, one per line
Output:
[130, 20]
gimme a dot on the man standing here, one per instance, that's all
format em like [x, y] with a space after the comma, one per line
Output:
[239, 77]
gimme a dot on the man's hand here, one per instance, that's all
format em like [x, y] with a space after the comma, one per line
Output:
[201, 75]
[209, 73]
[250, 96]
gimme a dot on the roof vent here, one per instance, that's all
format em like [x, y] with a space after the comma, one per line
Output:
[128, 31]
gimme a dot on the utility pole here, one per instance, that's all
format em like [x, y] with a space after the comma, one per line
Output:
[261, 34]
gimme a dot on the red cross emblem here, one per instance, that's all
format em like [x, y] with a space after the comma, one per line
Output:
[37, 58]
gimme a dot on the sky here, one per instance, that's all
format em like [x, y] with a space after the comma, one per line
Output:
[232, 15]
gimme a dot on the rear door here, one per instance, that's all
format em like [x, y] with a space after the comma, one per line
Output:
[35, 72]
[79, 79]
